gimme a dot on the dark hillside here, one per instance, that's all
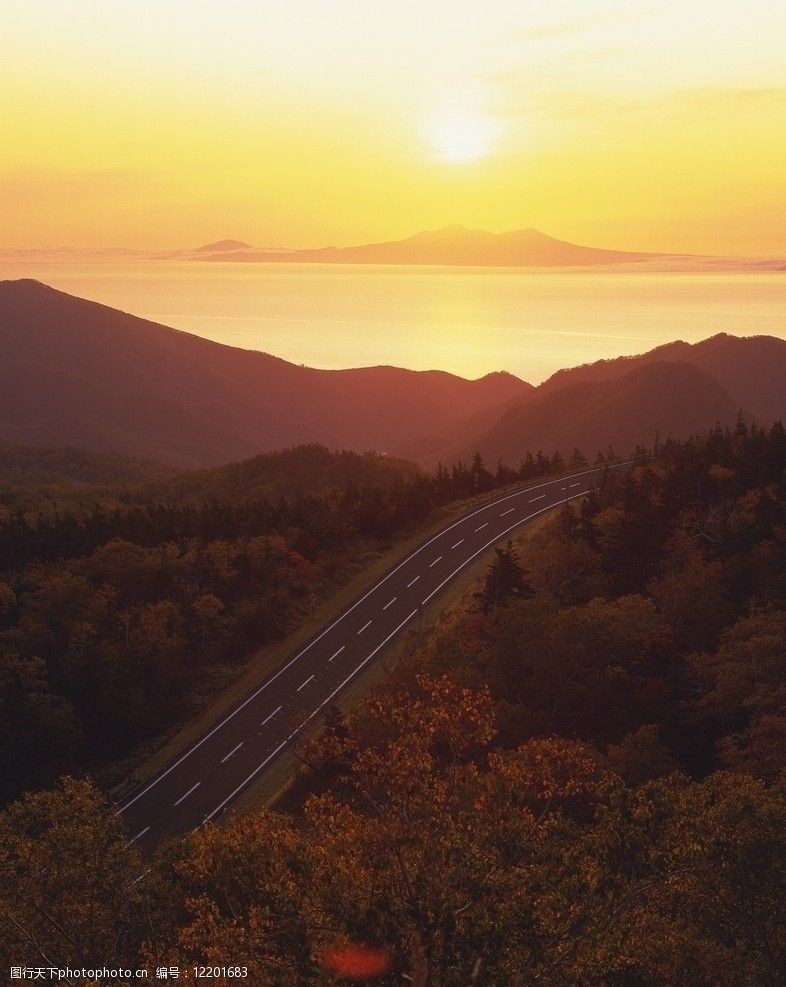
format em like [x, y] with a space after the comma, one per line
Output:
[73, 372]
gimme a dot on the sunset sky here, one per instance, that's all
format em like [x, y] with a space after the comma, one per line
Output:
[620, 123]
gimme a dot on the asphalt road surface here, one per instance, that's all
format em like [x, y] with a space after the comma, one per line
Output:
[237, 750]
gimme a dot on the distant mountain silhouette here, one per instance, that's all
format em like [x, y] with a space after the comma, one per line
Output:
[752, 368]
[223, 246]
[73, 372]
[671, 398]
[454, 246]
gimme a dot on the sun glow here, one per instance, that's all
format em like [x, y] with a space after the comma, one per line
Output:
[458, 136]
[306, 123]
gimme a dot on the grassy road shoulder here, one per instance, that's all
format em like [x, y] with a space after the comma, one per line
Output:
[218, 692]
[275, 784]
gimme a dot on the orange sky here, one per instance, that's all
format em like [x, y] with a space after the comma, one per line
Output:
[168, 124]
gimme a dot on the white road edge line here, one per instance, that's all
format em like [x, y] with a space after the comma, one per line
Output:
[393, 571]
[270, 716]
[437, 559]
[367, 624]
[368, 658]
[233, 751]
[335, 655]
[390, 603]
[304, 684]
[409, 585]
[496, 538]
[193, 788]
[308, 719]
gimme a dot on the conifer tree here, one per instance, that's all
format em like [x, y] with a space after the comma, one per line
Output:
[505, 580]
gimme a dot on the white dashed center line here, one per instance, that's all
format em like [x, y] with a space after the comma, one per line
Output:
[270, 716]
[390, 603]
[193, 788]
[234, 750]
[310, 717]
[459, 542]
[367, 624]
[270, 756]
[337, 653]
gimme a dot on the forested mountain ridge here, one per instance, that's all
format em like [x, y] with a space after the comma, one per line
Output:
[67, 465]
[751, 368]
[73, 372]
[300, 471]
[77, 373]
[47, 479]
[674, 399]
[676, 389]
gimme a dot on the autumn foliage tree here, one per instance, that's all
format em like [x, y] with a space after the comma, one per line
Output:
[459, 860]
[69, 894]
[583, 784]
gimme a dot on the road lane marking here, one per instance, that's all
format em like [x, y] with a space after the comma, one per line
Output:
[537, 498]
[495, 539]
[438, 559]
[337, 653]
[193, 788]
[459, 542]
[233, 751]
[304, 684]
[279, 672]
[409, 585]
[270, 716]
[367, 659]
[296, 731]
[508, 512]
[575, 485]
[484, 525]
[367, 624]
[390, 603]
[138, 836]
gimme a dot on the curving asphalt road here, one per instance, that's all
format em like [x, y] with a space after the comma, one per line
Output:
[236, 750]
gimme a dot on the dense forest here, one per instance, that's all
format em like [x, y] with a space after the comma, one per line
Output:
[576, 779]
[110, 612]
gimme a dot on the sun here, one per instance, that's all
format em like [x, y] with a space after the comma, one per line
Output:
[458, 136]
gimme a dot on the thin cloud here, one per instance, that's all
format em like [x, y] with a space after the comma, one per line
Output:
[97, 182]
[543, 32]
[706, 101]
